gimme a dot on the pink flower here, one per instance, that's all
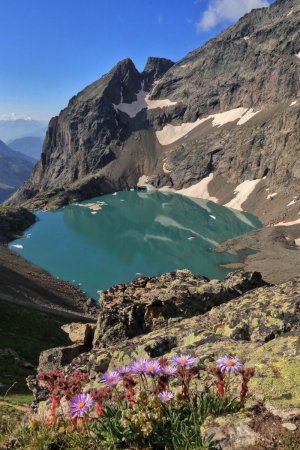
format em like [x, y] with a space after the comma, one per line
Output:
[79, 405]
[169, 370]
[165, 396]
[183, 361]
[139, 366]
[230, 365]
[123, 370]
[111, 378]
[152, 368]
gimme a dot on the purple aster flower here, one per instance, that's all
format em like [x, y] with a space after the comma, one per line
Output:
[231, 365]
[139, 366]
[111, 378]
[183, 361]
[79, 405]
[165, 396]
[152, 367]
[169, 370]
[123, 370]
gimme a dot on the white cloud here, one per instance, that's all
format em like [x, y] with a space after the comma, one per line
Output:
[219, 11]
[14, 116]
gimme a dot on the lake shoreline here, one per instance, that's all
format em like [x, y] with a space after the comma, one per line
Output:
[27, 284]
[132, 234]
[276, 257]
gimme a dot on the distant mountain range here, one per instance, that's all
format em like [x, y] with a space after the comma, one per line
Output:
[15, 168]
[15, 129]
[29, 146]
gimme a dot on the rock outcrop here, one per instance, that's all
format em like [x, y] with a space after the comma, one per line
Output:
[150, 303]
[179, 312]
[230, 108]
[242, 317]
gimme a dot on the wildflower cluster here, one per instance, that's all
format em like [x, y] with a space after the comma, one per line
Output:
[146, 401]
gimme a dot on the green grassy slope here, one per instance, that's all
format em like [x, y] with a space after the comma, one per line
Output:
[28, 331]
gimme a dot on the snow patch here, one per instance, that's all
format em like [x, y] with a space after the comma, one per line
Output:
[271, 196]
[142, 102]
[165, 169]
[242, 191]
[293, 103]
[290, 12]
[246, 38]
[228, 116]
[132, 109]
[143, 180]
[17, 246]
[183, 65]
[287, 224]
[199, 190]
[152, 104]
[292, 202]
[171, 133]
[298, 55]
[213, 217]
[249, 114]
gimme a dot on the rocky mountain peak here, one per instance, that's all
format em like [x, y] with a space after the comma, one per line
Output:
[229, 108]
[154, 69]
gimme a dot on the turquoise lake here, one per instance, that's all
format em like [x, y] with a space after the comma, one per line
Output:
[135, 234]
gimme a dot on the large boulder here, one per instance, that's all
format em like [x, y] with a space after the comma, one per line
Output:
[80, 333]
[59, 357]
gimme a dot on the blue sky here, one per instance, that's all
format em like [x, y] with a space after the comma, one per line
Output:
[52, 50]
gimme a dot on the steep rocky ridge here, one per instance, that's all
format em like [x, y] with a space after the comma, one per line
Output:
[231, 107]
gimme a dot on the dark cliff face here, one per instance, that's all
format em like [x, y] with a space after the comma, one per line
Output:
[250, 64]
[108, 136]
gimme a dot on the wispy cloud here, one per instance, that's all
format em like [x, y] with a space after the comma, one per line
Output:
[14, 116]
[222, 11]
[160, 19]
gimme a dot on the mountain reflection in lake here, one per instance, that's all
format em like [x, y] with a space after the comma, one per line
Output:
[135, 233]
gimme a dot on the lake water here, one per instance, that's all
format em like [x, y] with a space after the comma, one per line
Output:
[134, 234]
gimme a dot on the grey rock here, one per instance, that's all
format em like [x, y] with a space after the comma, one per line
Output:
[60, 356]
[147, 303]
[289, 426]
[82, 333]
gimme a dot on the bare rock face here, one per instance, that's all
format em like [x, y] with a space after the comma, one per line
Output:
[154, 69]
[90, 133]
[147, 304]
[108, 136]
[80, 333]
[60, 356]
